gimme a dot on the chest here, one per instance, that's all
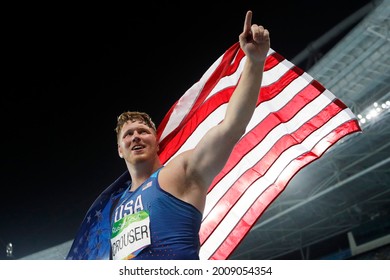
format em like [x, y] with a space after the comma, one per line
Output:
[133, 202]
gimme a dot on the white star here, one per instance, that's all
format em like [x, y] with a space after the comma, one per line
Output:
[98, 214]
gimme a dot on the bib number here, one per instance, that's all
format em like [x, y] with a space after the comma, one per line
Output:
[130, 235]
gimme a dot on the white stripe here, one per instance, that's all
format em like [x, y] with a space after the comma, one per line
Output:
[242, 206]
[185, 103]
[279, 101]
[275, 73]
[212, 119]
[228, 81]
[269, 77]
[260, 113]
[312, 109]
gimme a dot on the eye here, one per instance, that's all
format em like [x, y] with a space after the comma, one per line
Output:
[128, 134]
[143, 131]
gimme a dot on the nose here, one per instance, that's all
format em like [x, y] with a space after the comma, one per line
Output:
[136, 137]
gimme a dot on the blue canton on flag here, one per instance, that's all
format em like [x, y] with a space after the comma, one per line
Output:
[92, 241]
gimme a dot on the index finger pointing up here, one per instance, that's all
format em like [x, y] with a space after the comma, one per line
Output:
[248, 21]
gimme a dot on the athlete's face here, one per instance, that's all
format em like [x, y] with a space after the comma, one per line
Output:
[137, 142]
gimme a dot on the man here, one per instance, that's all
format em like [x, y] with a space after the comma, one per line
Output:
[159, 215]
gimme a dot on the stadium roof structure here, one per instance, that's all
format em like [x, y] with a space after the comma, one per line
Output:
[341, 201]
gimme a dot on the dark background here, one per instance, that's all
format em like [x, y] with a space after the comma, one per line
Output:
[69, 71]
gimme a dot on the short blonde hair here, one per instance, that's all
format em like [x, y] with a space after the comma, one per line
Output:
[133, 116]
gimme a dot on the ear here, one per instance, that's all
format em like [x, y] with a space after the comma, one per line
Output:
[120, 152]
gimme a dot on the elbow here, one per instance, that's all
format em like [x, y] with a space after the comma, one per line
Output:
[234, 135]
[233, 131]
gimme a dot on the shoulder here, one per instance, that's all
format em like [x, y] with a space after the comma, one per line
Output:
[176, 168]
[174, 177]
[180, 161]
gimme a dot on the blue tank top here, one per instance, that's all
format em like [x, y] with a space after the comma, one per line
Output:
[173, 225]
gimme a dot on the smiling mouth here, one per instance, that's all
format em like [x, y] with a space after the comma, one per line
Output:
[137, 148]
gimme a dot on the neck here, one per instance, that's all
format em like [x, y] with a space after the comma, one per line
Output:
[141, 172]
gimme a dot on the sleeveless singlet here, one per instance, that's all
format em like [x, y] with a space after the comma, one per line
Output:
[150, 223]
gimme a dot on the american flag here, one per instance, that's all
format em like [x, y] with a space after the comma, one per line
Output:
[296, 120]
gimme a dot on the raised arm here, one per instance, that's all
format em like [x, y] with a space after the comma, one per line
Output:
[210, 155]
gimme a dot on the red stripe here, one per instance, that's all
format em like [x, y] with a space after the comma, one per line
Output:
[272, 60]
[165, 120]
[273, 191]
[202, 107]
[227, 65]
[248, 142]
[225, 68]
[253, 173]
[186, 130]
[222, 97]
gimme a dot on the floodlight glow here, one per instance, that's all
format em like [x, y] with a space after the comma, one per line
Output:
[374, 111]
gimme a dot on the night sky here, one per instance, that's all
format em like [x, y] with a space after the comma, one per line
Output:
[69, 71]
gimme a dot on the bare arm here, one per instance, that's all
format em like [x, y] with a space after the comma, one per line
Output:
[210, 155]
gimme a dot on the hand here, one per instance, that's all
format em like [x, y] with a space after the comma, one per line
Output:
[254, 40]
